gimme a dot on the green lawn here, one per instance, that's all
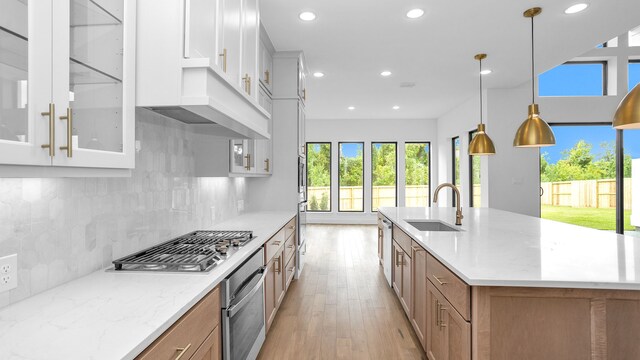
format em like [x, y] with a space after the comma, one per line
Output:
[602, 219]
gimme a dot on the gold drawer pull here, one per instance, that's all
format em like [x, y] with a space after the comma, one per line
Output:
[292, 227]
[182, 351]
[266, 165]
[276, 243]
[442, 309]
[277, 261]
[290, 246]
[248, 157]
[439, 281]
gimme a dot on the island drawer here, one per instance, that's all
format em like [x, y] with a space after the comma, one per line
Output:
[189, 332]
[457, 292]
[402, 239]
[290, 228]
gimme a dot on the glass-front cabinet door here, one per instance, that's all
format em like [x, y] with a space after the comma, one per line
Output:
[243, 156]
[25, 82]
[94, 83]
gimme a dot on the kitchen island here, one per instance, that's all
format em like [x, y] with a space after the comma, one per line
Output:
[509, 286]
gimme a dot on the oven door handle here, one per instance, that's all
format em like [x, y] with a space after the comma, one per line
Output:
[232, 310]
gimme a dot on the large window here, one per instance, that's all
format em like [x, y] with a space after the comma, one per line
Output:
[455, 156]
[319, 176]
[351, 177]
[383, 175]
[417, 172]
[475, 192]
[578, 177]
[575, 79]
[634, 73]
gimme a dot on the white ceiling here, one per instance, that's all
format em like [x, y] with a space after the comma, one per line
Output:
[352, 41]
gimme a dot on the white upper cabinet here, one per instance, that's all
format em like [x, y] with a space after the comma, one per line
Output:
[250, 44]
[198, 61]
[292, 76]
[265, 61]
[67, 83]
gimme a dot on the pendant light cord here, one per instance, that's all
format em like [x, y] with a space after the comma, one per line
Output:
[533, 65]
[481, 91]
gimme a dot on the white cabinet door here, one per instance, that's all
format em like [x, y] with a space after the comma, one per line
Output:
[264, 160]
[250, 41]
[266, 67]
[25, 83]
[265, 100]
[202, 21]
[231, 38]
[243, 156]
[93, 82]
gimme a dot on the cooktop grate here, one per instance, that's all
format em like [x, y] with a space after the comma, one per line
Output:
[195, 251]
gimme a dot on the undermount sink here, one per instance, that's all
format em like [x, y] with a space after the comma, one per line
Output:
[431, 225]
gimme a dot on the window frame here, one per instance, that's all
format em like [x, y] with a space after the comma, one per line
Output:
[471, 134]
[453, 166]
[605, 77]
[405, 170]
[371, 177]
[330, 174]
[629, 62]
[363, 175]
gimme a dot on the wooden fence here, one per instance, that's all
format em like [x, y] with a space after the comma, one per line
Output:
[585, 193]
[351, 196]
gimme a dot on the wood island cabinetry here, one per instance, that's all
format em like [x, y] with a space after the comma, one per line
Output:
[281, 262]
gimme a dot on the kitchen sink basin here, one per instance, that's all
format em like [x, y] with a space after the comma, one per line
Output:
[431, 225]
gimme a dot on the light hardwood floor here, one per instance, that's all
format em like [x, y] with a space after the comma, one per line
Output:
[342, 306]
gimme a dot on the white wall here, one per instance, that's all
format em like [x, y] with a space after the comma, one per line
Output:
[368, 131]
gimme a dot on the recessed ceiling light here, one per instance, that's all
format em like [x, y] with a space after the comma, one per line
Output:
[485, 72]
[415, 13]
[386, 73]
[573, 9]
[396, 107]
[318, 74]
[351, 108]
[307, 16]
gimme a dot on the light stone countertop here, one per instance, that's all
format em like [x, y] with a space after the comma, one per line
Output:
[499, 248]
[116, 315]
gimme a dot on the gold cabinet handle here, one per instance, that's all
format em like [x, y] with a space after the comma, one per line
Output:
[290, 246]
[266, 165]
[399, 258]
[247, 83]
[304, 94]
[248, 157]
[266, 77]
[439, 281]
[441, 311]
[182, 351]
[277, 260]
[52, 130]
[276, 243]
[69, 146]
[437, 313]
[224, 60]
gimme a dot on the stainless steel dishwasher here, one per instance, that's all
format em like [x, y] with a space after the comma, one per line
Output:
[243, 324]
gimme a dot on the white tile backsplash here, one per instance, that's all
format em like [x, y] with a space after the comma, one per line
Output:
[63, 229]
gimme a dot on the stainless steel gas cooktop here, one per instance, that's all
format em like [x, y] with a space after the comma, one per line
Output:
[198, 251]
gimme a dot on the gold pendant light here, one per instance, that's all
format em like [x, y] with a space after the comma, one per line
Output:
[628, 113]
[534, 132]
[481, 144]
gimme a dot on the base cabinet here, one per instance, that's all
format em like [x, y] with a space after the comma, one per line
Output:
[396, 278]
[448, 334]
[195, 336]
[281, 262]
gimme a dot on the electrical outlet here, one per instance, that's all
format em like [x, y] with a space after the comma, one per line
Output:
[213, 214]
[8, 272]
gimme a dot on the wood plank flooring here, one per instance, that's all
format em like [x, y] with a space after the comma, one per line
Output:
[342, 306]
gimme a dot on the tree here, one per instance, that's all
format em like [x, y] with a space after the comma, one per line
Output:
[416, 164]
[383, 164]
